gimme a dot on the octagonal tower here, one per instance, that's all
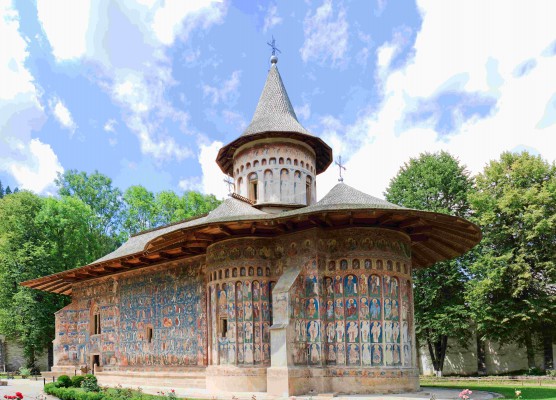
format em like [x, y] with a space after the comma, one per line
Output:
[274, 163]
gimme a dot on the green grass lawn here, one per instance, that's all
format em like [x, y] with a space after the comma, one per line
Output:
[529, 391]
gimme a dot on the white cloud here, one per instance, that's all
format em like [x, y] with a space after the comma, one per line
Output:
[32, 164]
[178, 17]
[128, 41]
[212, 181]
[110, 125]
[271, 18]
[326, 35]
[66, 24]
[192, 183]
[63, 115]
[303, 112]
[452, 54]
[227, 89]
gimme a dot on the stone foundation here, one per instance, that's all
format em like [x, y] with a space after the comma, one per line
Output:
[294, 381]
[227, 378]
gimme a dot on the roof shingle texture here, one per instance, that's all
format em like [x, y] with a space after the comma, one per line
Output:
[274, 112]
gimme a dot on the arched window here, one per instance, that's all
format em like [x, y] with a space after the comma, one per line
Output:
[272, 161]
[241, 168]
[95, 328]
[263, 162]
[253, 187]
[284, 185]
[297, 186]
[289, 161]
[255, 163]
[281, 161]
[267, 185]
[295, 162]
[308, 192]
[239, 187]
[248, 165]
[302, 164]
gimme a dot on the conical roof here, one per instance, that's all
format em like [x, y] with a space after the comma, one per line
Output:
[344, 196]
[274, 110]
[275, 118]
[232, 207]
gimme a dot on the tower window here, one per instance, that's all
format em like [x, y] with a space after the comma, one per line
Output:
[308, 191]
[149, 334]
[253, 187]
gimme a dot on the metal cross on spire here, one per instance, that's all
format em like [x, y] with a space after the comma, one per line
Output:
[341, 167]
[273, 46]
[230, 182]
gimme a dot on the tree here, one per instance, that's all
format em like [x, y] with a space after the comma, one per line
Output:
[1, 190]
[140, 210]
[196, 203]
[7, 191]
[437, 182]
[513, 291]
[97, 192]
[38, 237]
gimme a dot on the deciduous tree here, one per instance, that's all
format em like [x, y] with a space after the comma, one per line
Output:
[513, 290]
[437, 182]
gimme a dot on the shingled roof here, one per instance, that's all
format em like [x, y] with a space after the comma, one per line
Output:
[274, 110]
[275, 118]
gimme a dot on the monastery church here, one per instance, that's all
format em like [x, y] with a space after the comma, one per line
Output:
[272, 291]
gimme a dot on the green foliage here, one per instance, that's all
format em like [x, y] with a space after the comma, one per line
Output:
[140, 212]
[64, 381]
[90, 383]
[24, 372]
[512, 291]
[76, 380]
[528, 392]
[71, 393]
[39, 236]
[437, 182]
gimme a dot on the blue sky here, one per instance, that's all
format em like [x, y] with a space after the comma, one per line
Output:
[147, 91]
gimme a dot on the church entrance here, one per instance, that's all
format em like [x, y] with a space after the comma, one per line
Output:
[95, 362]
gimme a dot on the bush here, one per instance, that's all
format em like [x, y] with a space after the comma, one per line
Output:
[551, 372]
[76, 381]
[90, 383]
[64, 381]
[71, 393]
[535, 371]
[24, 372]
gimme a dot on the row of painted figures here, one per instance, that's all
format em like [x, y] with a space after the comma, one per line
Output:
[354, 354]
[353, 332]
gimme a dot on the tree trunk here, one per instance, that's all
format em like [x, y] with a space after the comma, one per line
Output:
[481, 356]
[530, 350]
[437, 351]
[548, 353]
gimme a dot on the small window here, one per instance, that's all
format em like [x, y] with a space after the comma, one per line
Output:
[149, 334]
[253, 187]
[96, 324]
[281, 161]
[223, 327]
[308, 194]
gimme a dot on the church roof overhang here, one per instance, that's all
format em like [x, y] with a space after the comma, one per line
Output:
[322, 151]
[434, 237]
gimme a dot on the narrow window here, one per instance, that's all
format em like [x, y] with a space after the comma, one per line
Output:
[149, 334]
[308, 194]
[95, 321]
[253, 187]
[223, 327]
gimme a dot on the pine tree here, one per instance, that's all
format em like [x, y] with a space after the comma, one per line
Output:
[1, 190]
[8, 191]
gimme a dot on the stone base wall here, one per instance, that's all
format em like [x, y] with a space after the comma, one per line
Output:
[229, 378]
[284, 381]
[13, 358]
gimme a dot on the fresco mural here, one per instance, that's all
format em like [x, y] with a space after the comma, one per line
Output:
[153, 318]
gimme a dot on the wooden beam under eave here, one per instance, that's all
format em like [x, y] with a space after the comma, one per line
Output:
[456, 245]
[410, 222]
[47, 284]
[53, 288]
[384, 218]
[225, 230]
[420, 229]
[316, 220]
[419, 237]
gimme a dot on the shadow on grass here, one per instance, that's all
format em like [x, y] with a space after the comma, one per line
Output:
[508, 391]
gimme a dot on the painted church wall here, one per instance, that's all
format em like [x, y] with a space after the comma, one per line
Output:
[152, 317]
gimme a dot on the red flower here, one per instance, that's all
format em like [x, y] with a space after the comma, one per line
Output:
[19, 395]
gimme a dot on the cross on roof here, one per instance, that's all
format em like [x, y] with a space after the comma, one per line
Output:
[341, 167]
[230, 182]
[273, 46]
